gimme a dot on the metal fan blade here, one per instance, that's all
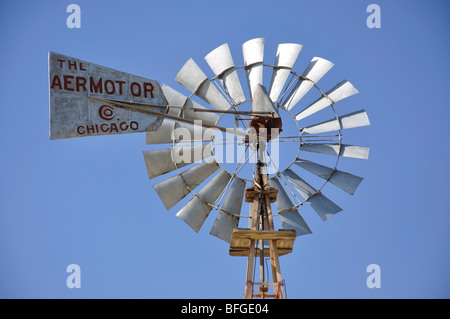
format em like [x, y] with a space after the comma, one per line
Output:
[221, 62]
[253, 52]
[351, 120]
[343, 180]
[174, 189]
[333, 149]
[289, 215]
[324, 207]
[316, 69]
[339, 92]
[162, 161]
[197, 210]
[262, 101]
[287, 54]
[171, 131]
[225, 223]
[192, 78]
[175, 98]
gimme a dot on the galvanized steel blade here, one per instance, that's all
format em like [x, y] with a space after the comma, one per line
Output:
[262, 102]
[324, 207]
[316, 69]
[176, 99]
[287, 54]
[343, 180]
[221, 62]
[289, 215]
[176, 132]
[339, 92]
[197, 210]
[253, 53]
[174, 189]
[350, 120]
[225, 223]
[192, 78]
[159, 162]
[345, 150]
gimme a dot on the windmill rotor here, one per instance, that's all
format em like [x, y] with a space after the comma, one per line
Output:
[222, 144]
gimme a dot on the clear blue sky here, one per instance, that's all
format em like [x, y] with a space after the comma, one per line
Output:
[88, 201]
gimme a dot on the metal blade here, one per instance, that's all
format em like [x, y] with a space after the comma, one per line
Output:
[289, 215]
[171, 131]
[225, 223]
[262, 101]
[324, 207]
[253, 52]
[177, 99]
[339, 92]
[221, 62]
[197, 210]
[333, 149]
[351, 120]
[343, 180]
[316, 69]
[162, 161]
[174, 189]
[192, 78]
[287, 54]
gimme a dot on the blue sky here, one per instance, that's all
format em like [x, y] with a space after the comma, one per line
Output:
[88, 201]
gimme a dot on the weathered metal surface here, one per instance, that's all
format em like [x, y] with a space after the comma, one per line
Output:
[192, 78]
[350, 120]
[174, 189]
[253, 52]
[337, 93]
[197, 210]
[289, 215]
[287, 54]
[343, 180]
[171, 131]
[162, 161]
[324, 207]
[345, 150]
[177, 100]
[262, 102]
[225, 223]
[221, 62]
[72, 114]
[316, 69]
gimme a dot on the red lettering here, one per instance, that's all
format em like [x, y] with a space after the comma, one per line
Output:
[81, 82]
[90, 129]
[114, 128]
[113, 88]
[96, 87]
[72, 64]
[60, 62]
[148, 88]
[120, 85]
[80, 132]
[56, 82]
[132, 86]
[67, 81]
[134, 125]
[104, 130]
[81, 67]
[122, 124]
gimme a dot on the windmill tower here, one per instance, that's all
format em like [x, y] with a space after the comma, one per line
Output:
[194, 136]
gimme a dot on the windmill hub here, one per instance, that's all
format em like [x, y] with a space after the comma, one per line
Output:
[269, 126]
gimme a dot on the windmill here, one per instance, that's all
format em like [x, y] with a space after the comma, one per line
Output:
[190, 140]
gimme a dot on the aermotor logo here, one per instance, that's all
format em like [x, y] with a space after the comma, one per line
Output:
[112, 125]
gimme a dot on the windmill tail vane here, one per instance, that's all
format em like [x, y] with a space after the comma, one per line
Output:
[284, 151]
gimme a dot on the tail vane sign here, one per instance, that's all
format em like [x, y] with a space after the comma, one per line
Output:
[74, 114]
